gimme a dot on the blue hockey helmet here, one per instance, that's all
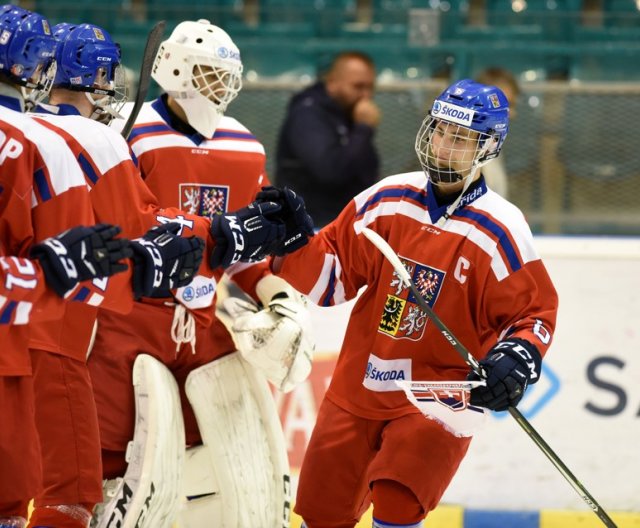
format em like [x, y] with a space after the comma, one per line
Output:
[27, 49]
[61, 30]
[90, 61]
[466, 110]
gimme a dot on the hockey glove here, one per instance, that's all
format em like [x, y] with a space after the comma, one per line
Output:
[248, 235]
[277, 340]
[298, 223]
[510, 366]
[163, 260]
[80, 254]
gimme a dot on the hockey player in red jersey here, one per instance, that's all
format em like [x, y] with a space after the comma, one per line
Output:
[472, 256]
[41, 189]
[194, 158]
[42, 193]
[88, 84]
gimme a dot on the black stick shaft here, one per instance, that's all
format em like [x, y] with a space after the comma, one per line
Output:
[150, 50]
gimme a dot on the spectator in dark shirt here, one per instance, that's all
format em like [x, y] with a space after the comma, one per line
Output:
[325, 149]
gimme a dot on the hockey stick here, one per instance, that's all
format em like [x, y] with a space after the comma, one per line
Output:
[150, 50]
[402, 272]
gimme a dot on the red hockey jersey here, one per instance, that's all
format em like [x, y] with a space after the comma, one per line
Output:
[118, 196]
[42, 193]
[479, 272]
[202, 177]
[22, 284]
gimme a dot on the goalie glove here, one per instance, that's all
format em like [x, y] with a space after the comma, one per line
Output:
[79, 254]
[510, 367]
[276, 340]
[163, 260]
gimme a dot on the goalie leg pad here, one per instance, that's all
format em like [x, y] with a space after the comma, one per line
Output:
[149, 494]
[243, 462]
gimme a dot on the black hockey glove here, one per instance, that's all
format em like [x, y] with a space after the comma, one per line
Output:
[248, 235]
[162, 260]
[81, 253]
[510, 367]
[298, 223]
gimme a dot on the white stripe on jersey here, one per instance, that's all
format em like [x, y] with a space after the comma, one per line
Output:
[483, 241]
[164, 139]
[95, 299]
[23, 310]
[64, 171]
[510, 216]
[390, 208]
[338, 294]
[93, 137]
[167, 140]
[490, 203]
[414, 179]
[323, 280]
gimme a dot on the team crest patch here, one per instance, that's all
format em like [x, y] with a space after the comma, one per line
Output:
[402, 317]
[204, 200]
[99, 35]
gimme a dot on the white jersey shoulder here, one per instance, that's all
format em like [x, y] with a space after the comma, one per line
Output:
[511, 218]
[148, 114]
[64, 171]
[152, 132]
[106, 147]
[416, 179]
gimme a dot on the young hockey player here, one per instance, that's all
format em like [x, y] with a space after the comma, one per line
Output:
[472, 256]
[156, 343]
[87, 93]
[42, 194]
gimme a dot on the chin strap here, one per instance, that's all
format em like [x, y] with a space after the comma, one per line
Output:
[450, 210]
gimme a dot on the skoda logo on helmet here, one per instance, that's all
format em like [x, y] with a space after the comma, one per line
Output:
[436, 108]
[226, 53]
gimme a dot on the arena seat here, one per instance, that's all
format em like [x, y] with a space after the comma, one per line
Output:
[220, 12]
[621, 13]
[604, 60]
[555, 20]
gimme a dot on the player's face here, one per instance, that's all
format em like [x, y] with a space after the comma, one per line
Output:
[102, 81]
[453, 147]
[211, 82]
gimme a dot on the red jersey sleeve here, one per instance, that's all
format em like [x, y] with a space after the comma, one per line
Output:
[23, 286]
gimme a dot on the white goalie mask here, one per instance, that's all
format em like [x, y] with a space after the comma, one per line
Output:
[200, 67]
